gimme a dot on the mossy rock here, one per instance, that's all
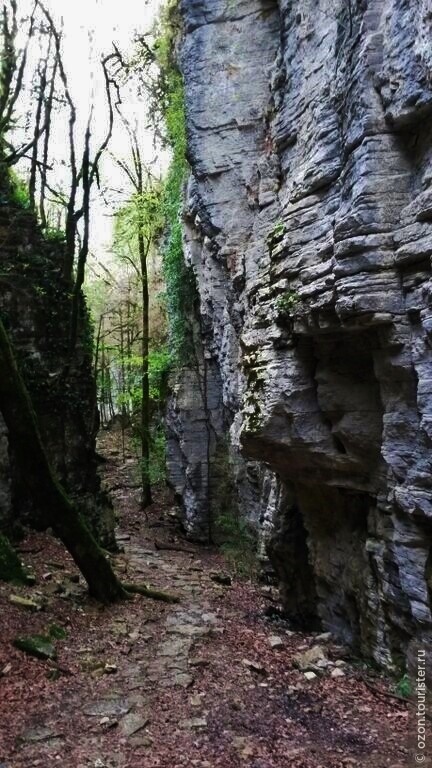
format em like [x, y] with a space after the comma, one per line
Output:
[24, 602]
[39, 646]
[56, 632]
[11, 569]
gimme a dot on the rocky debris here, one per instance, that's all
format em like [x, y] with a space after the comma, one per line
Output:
[197, 662]
[245, 746]
[25, 602]
[95, 665]
[221, 578]
[254, 666]
[310, 675]
[276, 642]
[107, 722]
[110, 669]
[107, 708]
[40, 734]
[318, 722]
[311, 657]
[315, 660]
[196, 723]
[337, 673]
[172, 663]
[133, 723]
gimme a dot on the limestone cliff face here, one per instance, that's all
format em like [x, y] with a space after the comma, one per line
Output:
[35, 307]
[308, 223]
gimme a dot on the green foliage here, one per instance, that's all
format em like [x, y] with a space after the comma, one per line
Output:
[404, 687]
[56, 632]
[239, 544]
[179, 279]
[157, 468]
[277, 232]
[19, 194]
[143, 212]
[159, 366]
[164, 86]
[287, 302]
[275, 236]
[54, 235]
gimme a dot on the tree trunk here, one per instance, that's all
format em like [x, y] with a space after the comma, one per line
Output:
[145, 403]
[65, 519]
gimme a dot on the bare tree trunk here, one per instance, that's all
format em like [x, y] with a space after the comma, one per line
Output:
[97, 417]
[44, 166]
[64, 517]
[129, 352]
[38, 118]
[108, 389]
[145, 402]
[123, 387]
[103, 388]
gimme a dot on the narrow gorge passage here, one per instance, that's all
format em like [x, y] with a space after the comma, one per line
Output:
[209, 681]
[215, 383]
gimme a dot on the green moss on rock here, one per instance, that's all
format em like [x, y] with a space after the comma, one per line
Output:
[11, 569]
[39, 646]
[56, 632]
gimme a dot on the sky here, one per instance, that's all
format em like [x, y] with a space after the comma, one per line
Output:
[90, 27]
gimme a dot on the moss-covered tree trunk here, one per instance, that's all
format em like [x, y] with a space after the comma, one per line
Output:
[65, 519]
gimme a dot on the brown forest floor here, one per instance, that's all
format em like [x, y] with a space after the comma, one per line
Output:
[145, 684]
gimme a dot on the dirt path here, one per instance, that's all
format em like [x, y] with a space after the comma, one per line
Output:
[207, 682]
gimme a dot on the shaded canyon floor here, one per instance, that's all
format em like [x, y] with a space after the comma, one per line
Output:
[208, 682]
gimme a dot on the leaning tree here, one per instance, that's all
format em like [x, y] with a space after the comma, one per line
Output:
[15, 404]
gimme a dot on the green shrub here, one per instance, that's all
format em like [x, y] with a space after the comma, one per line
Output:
[287, 302]
[19, 191]
[404, 687]
[157, 469]
[54, 235]
[180, 284]
[277, 232]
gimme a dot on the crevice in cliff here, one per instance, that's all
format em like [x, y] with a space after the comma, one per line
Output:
[288, 551]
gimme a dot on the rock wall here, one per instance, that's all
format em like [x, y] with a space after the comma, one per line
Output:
[308, 223]
[35, 307]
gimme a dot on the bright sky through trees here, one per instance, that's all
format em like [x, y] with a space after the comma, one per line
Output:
[89, 28]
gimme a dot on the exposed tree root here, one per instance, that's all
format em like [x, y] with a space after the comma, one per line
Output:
[154, 594]
[387, 695]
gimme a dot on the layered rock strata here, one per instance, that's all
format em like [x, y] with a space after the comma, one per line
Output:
[308, 224]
